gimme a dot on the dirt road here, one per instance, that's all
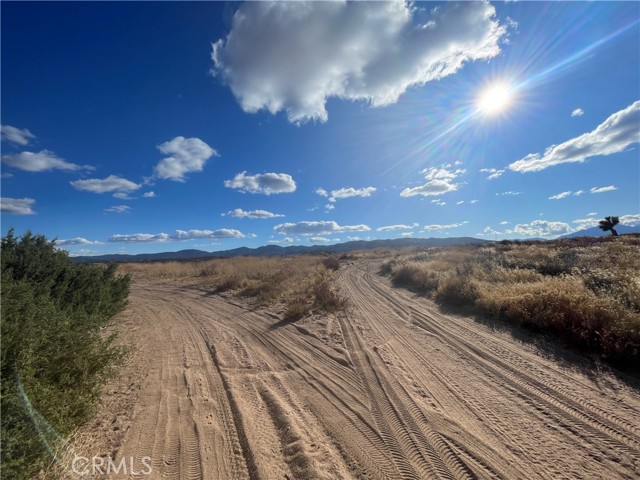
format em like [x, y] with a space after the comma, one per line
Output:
[393, 389]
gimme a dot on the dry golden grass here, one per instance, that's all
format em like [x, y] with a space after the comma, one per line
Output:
[585, 290]
[300, 281]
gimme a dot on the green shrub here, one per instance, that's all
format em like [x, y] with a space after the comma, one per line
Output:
[55, 356]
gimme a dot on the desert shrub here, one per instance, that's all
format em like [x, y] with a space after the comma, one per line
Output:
[55, 356]
[331, 263]
[456, 290]
[296, 309]
[327, 297]
[586, 291]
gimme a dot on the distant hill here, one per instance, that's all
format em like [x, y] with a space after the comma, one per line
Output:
[596, 232]
[272, 250]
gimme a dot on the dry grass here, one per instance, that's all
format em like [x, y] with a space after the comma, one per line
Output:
[299, 282]
[585, 290]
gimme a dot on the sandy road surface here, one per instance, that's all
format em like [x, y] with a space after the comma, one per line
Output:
[393, 389]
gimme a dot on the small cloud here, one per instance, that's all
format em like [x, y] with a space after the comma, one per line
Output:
[474, 201]
[578, 112]
[504, 222]
[239, 213]
[17, 206]
[389, 228]
[112, 183]
[608, 188]
[559, 196]
[460, 202]
[630, 220]
[149, 194]
[118, 209]
[329, 207]
[122, 196]
[591, 214]
[322, 192]
[541, 228]
[578, 193]
[319, 239]
[508, 194]
[6, 175]
[430, 228]
[284, 240]
[15, 135]
[433, 187]
[42, 161]
[265, 183]
[76, 241]
[317, 228]
[493, 173]
[407, 234]
[186, 155]
[439, 202]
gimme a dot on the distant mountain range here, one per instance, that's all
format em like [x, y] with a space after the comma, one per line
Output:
[272, 250]
[596, 232]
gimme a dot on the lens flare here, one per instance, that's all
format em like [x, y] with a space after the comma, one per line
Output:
[495, 99]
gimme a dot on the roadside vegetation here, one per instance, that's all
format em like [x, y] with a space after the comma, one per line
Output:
[56, 353]
[585, 290]
[301, 284]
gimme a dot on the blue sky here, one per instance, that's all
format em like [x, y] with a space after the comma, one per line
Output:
[144, 127]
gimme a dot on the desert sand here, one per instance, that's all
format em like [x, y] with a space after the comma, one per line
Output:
[393, 388]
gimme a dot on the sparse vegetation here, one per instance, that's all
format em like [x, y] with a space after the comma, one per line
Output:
[299, 282]
[584, 290]
[55, 353]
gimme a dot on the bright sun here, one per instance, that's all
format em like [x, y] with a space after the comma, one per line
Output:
[494, 99]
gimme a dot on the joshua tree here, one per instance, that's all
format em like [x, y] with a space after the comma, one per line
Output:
[608, 223]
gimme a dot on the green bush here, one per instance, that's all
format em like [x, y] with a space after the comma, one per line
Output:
[55, 354]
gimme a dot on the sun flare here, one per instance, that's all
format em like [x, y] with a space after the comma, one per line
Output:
[494, 99]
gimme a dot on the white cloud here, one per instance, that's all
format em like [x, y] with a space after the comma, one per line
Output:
[439, 182]
[433, 187]
[352, 239]
[630, 220]
[585, 223]
[577, 193]
[118, 209]
[284, 240]
[221, 233]
[15, 135]
[149, 194]
[493, 173]
[439, 202]
[351, 192]
[608, 188]
[559, 196]
[460, 202]
[17, 206]
[474, 201]
[407, 234]
[389, 228]
[139, 238]
[578, 112]
[179, 235]
[489, 231]
[434, 173]
[541, 228]
[76, 241]
[112, 183]
[319, 239]
[239, 213]
[591, 214]
[266, 183]
[504, 222]
[329, 206]
[317, 228]
[322, 192]
[614, 135]
[186, 155]
[429, 228]
[507, 194]
[122, 196]
[294, 56]
[42, 161]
